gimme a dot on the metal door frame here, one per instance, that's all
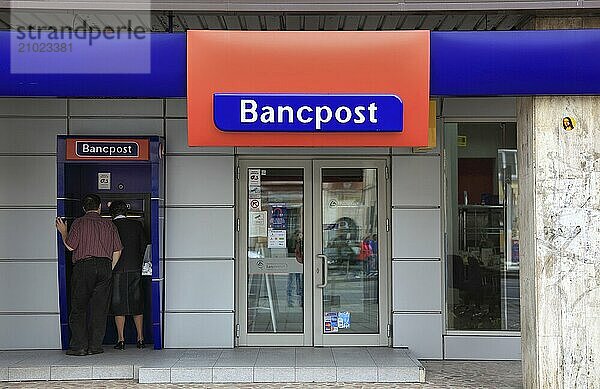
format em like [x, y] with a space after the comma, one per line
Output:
[381, 338]
[313, 317]
[273, 339]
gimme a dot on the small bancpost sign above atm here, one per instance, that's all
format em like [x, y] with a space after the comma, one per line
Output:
[287, 112]
[108, 149]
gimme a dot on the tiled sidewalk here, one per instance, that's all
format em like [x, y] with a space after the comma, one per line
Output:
[266, 364]
[440, 375]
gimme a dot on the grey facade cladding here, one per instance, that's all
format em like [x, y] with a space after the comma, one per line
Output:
[200, 282]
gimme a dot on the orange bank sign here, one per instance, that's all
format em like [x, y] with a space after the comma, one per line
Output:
[242, 86]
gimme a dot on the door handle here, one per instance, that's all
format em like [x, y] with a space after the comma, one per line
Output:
[325, 270]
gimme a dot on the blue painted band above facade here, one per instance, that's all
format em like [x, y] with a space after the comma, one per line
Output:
[477, 63]
[165, 77]
[495, 63]
[307, 112]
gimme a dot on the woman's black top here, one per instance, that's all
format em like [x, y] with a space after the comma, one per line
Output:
[134, 243]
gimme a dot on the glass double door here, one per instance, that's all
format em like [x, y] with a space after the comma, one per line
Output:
[313, 253]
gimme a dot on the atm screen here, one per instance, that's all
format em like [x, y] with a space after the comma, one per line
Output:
[135, 208]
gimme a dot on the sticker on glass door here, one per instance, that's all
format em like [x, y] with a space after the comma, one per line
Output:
[335, 321]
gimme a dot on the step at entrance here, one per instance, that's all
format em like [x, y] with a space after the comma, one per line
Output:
[257, 364]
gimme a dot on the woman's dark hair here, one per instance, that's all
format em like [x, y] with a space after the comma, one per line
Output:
[569, 120]
[90, 202]
[117, 208]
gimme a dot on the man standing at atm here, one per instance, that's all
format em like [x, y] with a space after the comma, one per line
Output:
[96, 249]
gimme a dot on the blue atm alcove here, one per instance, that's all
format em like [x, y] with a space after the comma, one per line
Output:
[140, 183]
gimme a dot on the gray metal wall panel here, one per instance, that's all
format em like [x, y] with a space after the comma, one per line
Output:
[116, 107]
[199, 285]
[27, 234]
[177, 140]
[198, 330]
[29, 286]
[402, 151]
[27, 181]
[416, 233]
[29, 332]
[29, 107]
[116, 126]
[416, 181]
[421, 333]
[200, 180]
[482, 347]
[417, 286]
[482, 107]
[200, 233]
[30, 135]
[176, 108]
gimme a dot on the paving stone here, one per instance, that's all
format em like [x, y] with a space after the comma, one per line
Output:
[189, 362]
[274, 374]
[157, 363]
[399, 374]
[385, 356]
[191, 374]
[233, 374]
[314, 357]
[38, 373]
[120, 372]
[352, 358]
[44, 358]
[242, 357]
[276, 357]
[356, 374]
[202, 354]
[70, 373]
[154, 375]
[8, 358]
[316, 374]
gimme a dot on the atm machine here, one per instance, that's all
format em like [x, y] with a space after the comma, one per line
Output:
[117, 168]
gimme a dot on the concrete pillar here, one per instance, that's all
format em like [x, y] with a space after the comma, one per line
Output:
[559, 215]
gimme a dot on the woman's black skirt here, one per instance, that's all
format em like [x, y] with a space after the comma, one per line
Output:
[127, 294]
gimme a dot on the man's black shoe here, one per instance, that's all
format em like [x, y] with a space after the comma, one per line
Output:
[77, 353]
[93, 351]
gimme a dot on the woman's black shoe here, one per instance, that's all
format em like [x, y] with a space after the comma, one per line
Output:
[120, 345]
[140, 344]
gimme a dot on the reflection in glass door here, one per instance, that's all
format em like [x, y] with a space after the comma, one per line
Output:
[275, 251]
[313, 251]
[350, 292]
[272, 290]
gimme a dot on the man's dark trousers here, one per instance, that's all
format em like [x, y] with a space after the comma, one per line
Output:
[91, 283]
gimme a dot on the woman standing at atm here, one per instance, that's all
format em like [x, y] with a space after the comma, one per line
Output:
[127, 299]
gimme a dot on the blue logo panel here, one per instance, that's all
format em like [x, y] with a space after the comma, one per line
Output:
[282, 112]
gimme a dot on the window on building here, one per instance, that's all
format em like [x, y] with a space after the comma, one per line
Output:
[482, 227]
